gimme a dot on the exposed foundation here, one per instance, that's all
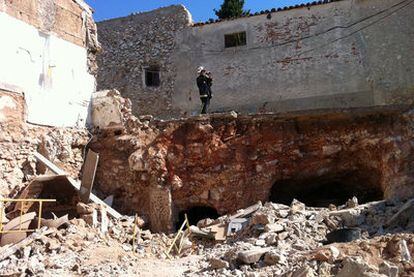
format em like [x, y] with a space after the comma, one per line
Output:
[161, 170]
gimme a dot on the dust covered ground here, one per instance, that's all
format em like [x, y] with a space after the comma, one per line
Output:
[278, 240]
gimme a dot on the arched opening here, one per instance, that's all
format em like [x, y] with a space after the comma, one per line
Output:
[328, 189]
[195, 214]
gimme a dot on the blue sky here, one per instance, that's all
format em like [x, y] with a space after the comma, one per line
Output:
[201, 10]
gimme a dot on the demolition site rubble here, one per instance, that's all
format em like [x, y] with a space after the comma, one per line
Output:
[276, 240]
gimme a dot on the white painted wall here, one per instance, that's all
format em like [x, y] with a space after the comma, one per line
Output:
[51, 72]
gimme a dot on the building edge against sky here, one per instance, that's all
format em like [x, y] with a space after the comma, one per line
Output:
[47, 57]
[335, 54]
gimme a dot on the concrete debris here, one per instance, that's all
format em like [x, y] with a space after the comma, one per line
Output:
[269, 239]
[75, 184]
[388, 269]
[403, 215]
[216, 263]
[252, 256]
[355, 267]
[290, 246]
[305, 271]
[55, 223]
[18, 223]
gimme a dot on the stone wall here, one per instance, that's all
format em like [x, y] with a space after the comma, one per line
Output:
[133, 43]
[229, 162]
[19, 141]
[335, 55]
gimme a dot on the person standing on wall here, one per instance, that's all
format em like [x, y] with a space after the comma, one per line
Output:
[204, 84]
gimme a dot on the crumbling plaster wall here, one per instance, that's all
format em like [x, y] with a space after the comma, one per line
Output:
[49, 57]
[20, 140]
[228, 162]
[132, 43]
[336, 55]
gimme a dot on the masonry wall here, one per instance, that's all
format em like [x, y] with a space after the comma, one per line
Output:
[336, 55]
[20, 140]
[228, 162]
[133, 43]
[48, 56]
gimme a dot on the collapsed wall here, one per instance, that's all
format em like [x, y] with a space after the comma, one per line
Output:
[46, 79]
[226, 162]
[20, 140]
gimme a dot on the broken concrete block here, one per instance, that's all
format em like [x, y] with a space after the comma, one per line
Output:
[216, 263]
[304, 271]
[273, 257]
[84, 209]
[352, 203]
[260, 218]
[350, 217]
[251, 256]
[260, 242]
[236, 225]
[388, 269]
[355, 266]
[296, 207]
[272, 239]
[274, 228]
[405, 253]
[402, 217]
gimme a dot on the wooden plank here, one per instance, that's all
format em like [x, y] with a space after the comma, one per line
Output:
[75, 184]
[246, 212]
[88, 175]
[9, 250]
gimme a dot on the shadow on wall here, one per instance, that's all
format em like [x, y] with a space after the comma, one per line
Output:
[329, 189]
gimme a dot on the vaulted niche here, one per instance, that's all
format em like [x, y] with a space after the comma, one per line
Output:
[328, 189]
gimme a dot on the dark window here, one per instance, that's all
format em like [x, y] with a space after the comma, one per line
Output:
[236, 39]
[152, 77]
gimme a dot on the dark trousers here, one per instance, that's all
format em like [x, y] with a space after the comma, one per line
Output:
[206, 102]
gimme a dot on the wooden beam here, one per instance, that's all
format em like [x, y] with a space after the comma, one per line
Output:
[88, 175]
[75, 184]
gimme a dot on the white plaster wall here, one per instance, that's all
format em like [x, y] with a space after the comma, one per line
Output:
[51, 72]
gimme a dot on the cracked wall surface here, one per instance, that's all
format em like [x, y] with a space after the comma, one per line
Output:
[336, 54]
[49, 56]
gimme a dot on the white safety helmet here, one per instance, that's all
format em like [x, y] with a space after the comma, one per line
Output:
[199, 69]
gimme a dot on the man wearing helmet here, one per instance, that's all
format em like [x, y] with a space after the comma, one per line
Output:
[204, 83]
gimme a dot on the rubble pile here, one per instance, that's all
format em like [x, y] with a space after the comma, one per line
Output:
[292, 241]
[275, 240]
[17, 165]
[79, 248]
[228, 161]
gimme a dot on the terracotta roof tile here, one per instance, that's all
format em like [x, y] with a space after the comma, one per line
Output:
[314, 3]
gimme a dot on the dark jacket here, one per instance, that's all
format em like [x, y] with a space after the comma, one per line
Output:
[204, 84]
